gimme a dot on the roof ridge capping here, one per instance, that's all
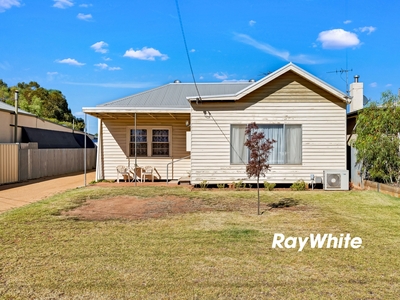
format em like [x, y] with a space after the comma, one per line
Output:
[288, 67]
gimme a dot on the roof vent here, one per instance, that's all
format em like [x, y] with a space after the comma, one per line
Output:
[177, 81]
[356, 77]
[252, 80]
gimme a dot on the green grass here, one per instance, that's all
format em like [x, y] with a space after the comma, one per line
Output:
[224, 253]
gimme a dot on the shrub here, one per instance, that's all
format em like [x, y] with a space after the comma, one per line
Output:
[299, 185]
[238, 185]
[269, 186]
[204, 184]
[221, 185]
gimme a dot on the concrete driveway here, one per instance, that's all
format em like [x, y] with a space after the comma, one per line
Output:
[19, 194]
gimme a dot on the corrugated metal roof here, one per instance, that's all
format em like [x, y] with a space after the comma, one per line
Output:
[10, 108]
[174, 95]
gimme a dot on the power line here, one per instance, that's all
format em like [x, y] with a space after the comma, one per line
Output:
[194, 79]
[187, 50]
[220, 129]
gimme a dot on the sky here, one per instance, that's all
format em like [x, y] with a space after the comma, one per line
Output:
[98, 51]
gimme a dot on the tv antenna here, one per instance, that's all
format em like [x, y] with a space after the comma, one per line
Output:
[342, 71]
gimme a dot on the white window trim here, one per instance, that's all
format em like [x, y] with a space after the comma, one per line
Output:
[149, 140]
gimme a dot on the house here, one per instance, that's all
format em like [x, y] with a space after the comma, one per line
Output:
[182, 129]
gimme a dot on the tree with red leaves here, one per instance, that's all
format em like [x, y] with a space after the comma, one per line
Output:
[260, 148]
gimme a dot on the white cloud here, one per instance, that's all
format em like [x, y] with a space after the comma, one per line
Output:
[389, 85]
[347, 22]
[221, 76]
[131, 85]
[338, 39]
[5, 65]
[145, 54]
[373, 84]
[84, 17]
[6, 4]
[104, 66]
[283, 54]
[99, 47]
[367, 29]
[85, 5]
[51, 75]
[252, 22]
[106, 59]
[63, 4]
[236, 80]
[70, 61]
[192, 50]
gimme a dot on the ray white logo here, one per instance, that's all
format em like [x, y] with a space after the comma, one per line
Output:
[316, 241]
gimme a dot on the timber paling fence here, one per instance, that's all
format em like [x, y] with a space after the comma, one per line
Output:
[382, 188]
[19, 162]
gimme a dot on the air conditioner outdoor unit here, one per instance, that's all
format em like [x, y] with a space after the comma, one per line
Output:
[336, 180]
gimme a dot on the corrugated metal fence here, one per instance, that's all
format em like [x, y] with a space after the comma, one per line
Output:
[8, 163]
[18, 164]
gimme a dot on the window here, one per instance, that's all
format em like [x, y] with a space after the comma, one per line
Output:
[287, 149]
[160, 142]
[141, 142]
[149, 142]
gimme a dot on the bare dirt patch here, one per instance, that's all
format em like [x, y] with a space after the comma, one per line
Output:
[137, 208]
[134, 208]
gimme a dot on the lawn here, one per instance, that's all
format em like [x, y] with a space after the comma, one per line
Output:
[222, 251]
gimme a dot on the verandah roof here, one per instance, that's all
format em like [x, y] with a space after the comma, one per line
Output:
[170, 98]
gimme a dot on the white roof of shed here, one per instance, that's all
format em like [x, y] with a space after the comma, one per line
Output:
[9, 108]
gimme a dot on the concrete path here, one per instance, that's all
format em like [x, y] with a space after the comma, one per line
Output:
[19, 194]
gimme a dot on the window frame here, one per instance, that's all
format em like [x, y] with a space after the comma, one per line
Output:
[269, 124]
[149, 141]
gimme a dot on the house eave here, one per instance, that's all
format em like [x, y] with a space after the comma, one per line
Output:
[100, 112]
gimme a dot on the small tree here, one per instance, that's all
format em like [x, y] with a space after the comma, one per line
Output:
[378, 141]
[260, 148]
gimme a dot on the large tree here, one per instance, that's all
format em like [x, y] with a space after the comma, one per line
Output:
[47, 104]
[378, 139]
[260, 147]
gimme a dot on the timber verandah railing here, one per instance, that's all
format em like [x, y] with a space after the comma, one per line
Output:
[172, 162]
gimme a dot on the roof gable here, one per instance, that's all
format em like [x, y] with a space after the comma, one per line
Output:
[288, 68]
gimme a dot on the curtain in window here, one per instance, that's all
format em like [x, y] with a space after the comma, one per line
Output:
[238, 149]
[276, 132]
[287, 148]
[160, 145]
[293, 144]
[141, 142]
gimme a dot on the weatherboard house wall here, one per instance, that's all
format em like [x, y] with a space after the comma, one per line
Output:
[164, 107]
[289, 96]
[115, 144]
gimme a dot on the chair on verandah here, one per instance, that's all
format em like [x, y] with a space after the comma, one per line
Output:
[148, 171]
[122, 170]
[136, 173]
